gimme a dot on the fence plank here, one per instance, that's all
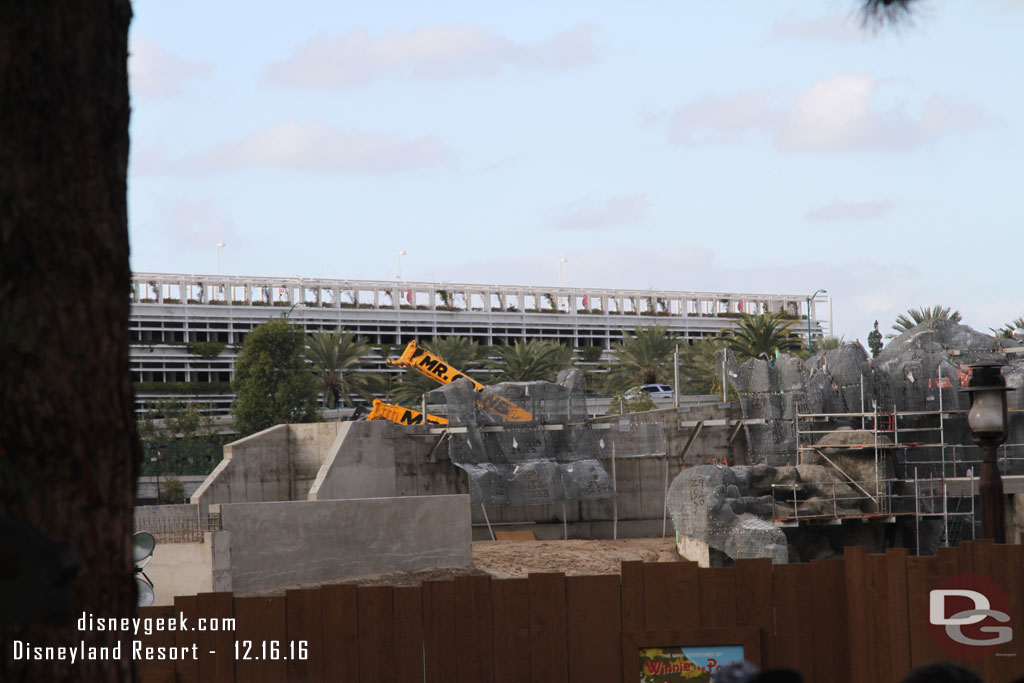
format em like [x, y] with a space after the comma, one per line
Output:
[187, 669]
[754, 603]
[153, 668]
[594, 628]
[408, 629]
[376, 634]
[548, 638]
[830, 643]
[1006, 571]
[510, 607]
[856, 574]
[259, 621]
[216, 648]
[339, 613]
[438, 627]
[474, 631]
[876, 600]
[671, 595]
[717, 597]
[922, 576]
[793, 620]
[980, 553]
[305, 623]
[899, 617]
[633, 618]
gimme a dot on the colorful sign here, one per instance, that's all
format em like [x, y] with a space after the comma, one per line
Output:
[697, 664]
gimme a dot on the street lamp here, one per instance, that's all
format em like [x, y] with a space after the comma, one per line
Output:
[560, 262]
[219, 245]
[809, 299]
[400, 255]
[987, 420]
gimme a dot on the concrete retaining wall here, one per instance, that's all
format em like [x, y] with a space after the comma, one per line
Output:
[190, 568]
[277, 464]
[280, 544]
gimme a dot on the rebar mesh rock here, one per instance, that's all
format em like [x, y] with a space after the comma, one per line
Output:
[526, 462]
[713, 504]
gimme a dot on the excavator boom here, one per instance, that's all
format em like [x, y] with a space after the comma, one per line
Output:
[417, 358]
[400, 415]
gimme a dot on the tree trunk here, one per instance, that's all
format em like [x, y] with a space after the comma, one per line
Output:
[69, 453]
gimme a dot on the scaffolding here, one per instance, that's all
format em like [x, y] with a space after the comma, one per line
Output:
[911, 432]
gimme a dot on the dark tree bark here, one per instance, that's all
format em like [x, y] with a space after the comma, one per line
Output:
[69, 452]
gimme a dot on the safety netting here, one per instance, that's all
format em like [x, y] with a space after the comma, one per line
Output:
[539, 450]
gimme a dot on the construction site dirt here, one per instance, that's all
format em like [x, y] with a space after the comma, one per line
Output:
[515, 559]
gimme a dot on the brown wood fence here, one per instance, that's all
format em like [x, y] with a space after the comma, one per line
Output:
[858, 618]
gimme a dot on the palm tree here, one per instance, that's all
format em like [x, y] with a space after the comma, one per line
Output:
[1008, 329]
[701, 365]
[642, 357]
[916, 316]
[530, 360]
[830, 343]
[762, 335]
[336, 359]
[458, 352]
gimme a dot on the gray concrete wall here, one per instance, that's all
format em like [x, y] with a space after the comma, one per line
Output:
[190, 568]
[280, 544]
[254, 469]
[146, 487]
[361, 462]
[308, 445]
[277, 464]
[150, 516]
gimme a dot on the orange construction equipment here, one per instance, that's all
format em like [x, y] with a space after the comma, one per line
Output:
[400, 415]
[421, 360]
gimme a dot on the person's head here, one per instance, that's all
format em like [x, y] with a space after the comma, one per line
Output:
[941, 672]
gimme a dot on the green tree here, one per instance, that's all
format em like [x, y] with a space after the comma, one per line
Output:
[761, 336]
[337, 362]
[875, 341]
[701, 365]
[640, 403]
[642, 357]
[172, 491]
[829, 343]
[273, 384]
[917, 316]
[458, 352]
[177, 437]
[530, 360]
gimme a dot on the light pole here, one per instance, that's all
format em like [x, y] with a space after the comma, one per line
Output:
[400, 255]
[219, 245]
[987, 420]
[809, 299]
[560, 262]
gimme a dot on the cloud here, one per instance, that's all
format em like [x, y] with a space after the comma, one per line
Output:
[357, 58]
[197, 224]
[592, 214]
[832, 28]
[319, 148]
[850, 211]
[836, 114]
[155, 72]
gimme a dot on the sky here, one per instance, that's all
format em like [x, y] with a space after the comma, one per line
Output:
[746, 146]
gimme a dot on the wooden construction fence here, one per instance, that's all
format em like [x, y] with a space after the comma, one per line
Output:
[857, 618]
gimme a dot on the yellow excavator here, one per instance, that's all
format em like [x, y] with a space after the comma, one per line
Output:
[417, 358]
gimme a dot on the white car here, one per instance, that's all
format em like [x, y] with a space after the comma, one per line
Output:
[652, 390]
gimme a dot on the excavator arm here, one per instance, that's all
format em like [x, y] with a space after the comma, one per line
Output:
[400, 415]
